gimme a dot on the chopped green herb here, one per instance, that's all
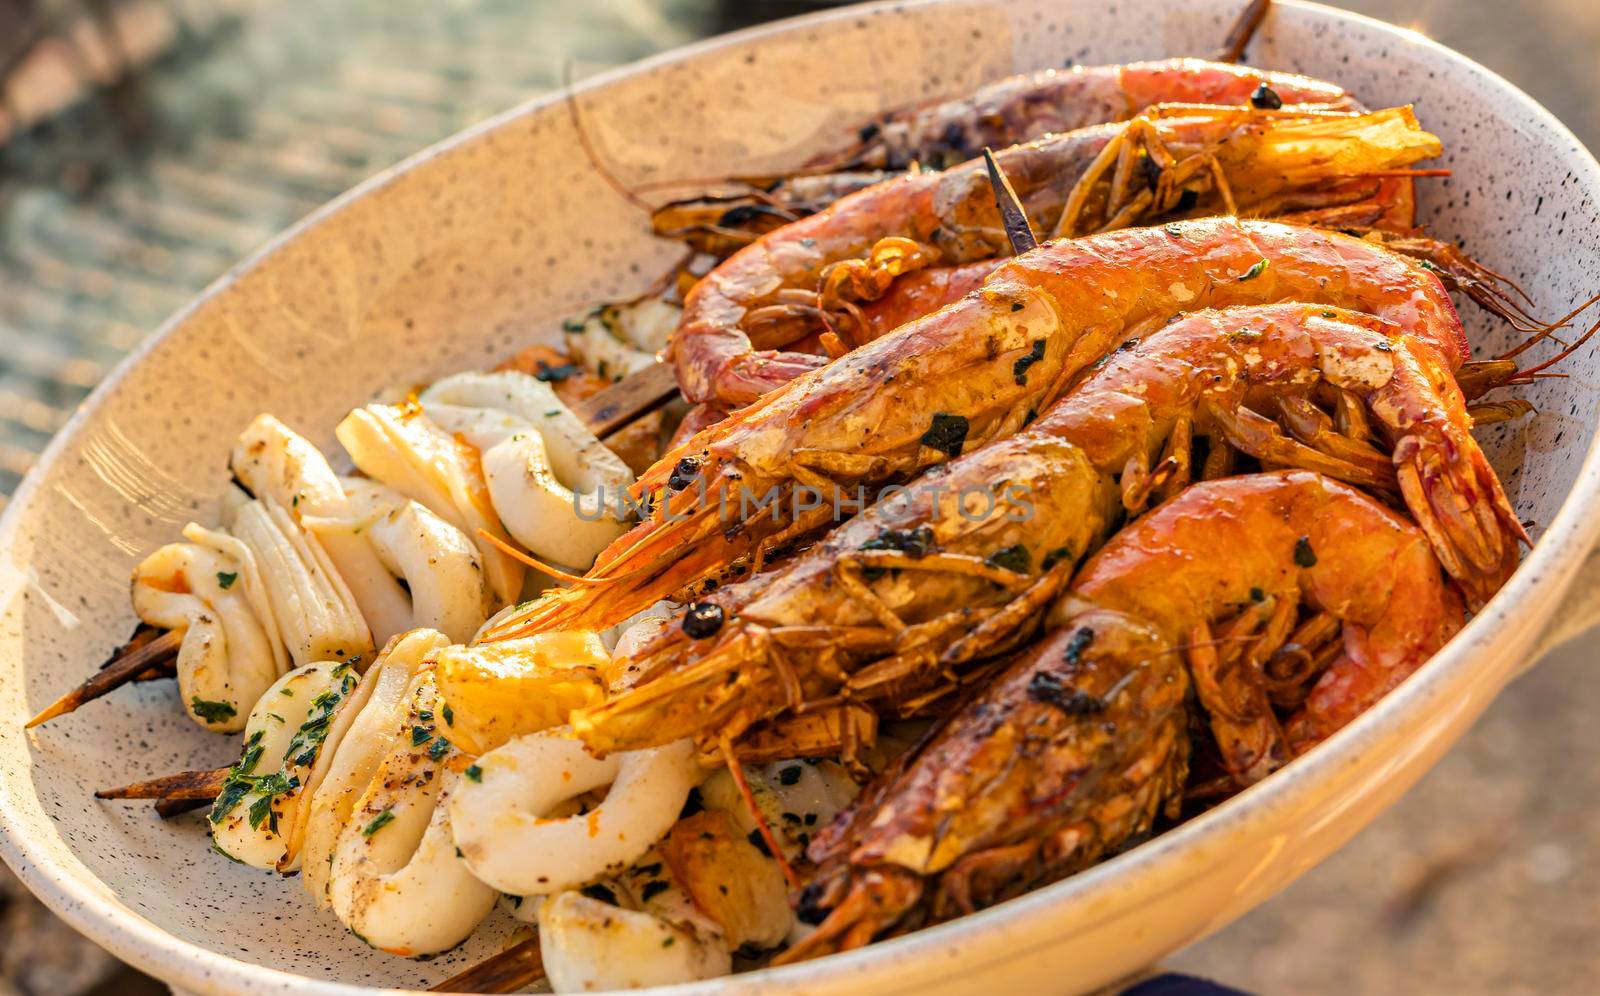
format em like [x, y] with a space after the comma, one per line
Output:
[212, 712]
[914, 543]
[420, 735]
[1303, 554]
[1257, 595]
[380, 821]
[1019, 369]
[449, 715]
[474, 773]
[225, 579]
[550, 374]
[789, 775]
[1011, 558]
[440, 748]
[947, 433]
[1255, 271]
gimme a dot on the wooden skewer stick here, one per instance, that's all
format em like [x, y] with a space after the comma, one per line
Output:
[630, 398]
[514, 968]
[174, 794]
[201, 786]
[1243, 30]
[152, 658]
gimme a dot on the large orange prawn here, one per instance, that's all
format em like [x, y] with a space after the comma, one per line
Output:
[1081, 744]
[894, 609]
[941, 134]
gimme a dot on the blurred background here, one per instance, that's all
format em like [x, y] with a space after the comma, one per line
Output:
[147, 145]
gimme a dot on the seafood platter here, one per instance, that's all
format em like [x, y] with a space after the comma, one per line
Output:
[997, 510]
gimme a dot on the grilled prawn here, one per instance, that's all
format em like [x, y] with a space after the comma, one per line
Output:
[1081, 744]
[944, 133]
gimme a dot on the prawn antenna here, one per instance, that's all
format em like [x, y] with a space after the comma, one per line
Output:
[611, 179]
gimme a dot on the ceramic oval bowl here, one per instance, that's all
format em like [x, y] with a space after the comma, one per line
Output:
[474, 248]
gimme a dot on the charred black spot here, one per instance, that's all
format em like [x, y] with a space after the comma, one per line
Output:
[1027, 419]
[810, 909]
[702, 619]
[1078, 644]
[601, 893]
[683, 474]
[1266, 98]
[759, 843]
[947, 434]
[869, 132]
[1019, 369]
[1049, 689]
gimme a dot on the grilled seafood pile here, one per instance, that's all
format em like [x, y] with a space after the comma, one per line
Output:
[915, 605]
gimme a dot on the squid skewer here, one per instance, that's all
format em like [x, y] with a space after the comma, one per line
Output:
[153, 654]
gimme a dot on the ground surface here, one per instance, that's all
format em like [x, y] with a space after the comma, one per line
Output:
[1483, 880]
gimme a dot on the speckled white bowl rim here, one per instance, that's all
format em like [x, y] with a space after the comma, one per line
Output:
[1542, 579]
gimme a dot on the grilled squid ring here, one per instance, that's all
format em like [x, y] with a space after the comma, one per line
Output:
[274, 462]
[287, 732]
[402, 448]
[500, 823]
[440, 566]
[396, 879]
[554, 485]
[227, 657]
[363, 732]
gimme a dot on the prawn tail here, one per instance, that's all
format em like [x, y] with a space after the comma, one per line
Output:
[1459, 503]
